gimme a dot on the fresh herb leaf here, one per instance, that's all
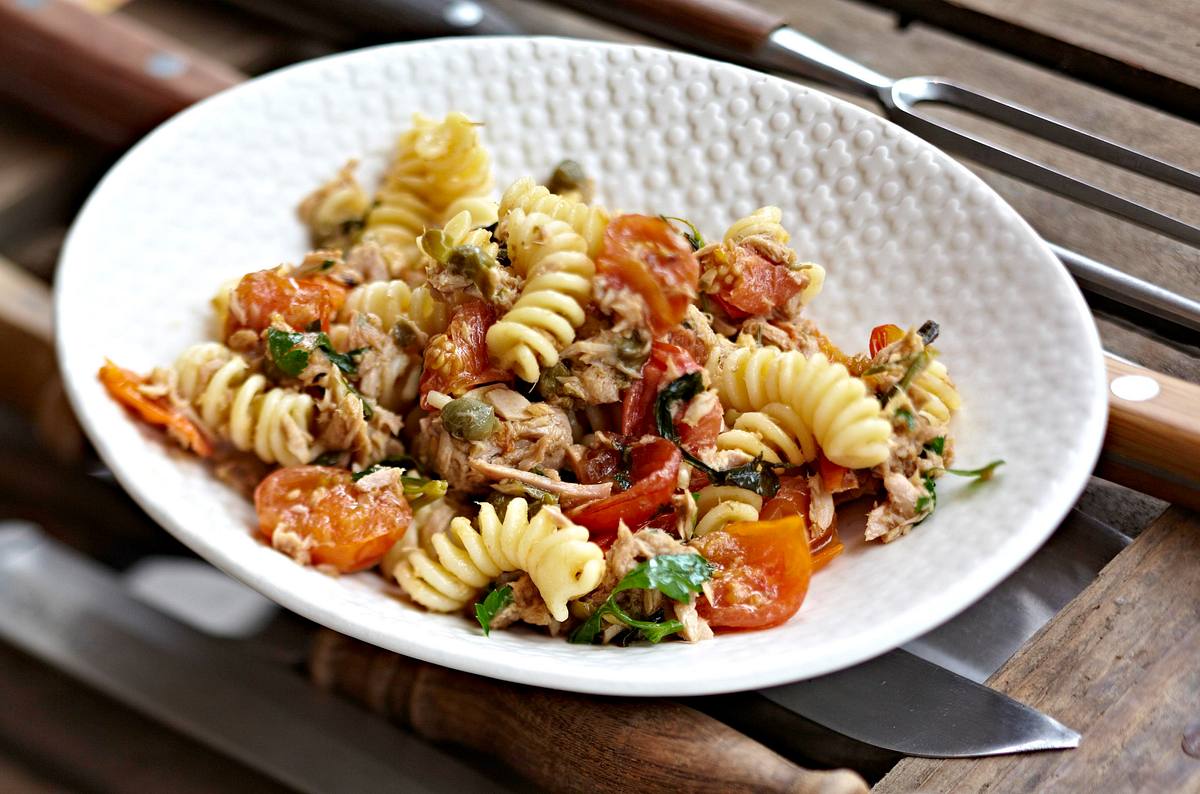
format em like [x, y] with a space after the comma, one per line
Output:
[757, 476]
[694, 238]
[486, 610]
[676, 576]
[422, 488]
[937, 446]
[906, 415]
[286, 352]
[681, 389]
[916, 366]
[327, 263]
[927, 501]
[343, 361]
[982, 473]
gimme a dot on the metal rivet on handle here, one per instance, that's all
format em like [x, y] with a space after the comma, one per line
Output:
[1134, 388]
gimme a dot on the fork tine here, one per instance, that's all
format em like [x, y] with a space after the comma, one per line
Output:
[906, 93]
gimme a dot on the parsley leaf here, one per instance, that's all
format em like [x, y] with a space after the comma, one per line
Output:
[693, 236]
[982, 473]
[906, 415]
[927, 501]
[937, 446]
[676, 576]
[343, 361]
[285, 350]
[486, 610]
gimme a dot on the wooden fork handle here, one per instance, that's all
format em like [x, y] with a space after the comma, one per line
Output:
[564, 742]
[1153, 441]
[731, 24]
[109, 77]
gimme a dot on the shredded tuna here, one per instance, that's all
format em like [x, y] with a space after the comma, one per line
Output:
[526, 606]
[569, 491]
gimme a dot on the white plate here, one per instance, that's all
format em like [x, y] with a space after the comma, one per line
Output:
[905, 233]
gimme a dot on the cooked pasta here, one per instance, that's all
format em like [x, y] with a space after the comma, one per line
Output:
[556, 554]
[526, 195]
[846, 422]
[241, 407]
[662, 402]
[558, 285]
[719, 505]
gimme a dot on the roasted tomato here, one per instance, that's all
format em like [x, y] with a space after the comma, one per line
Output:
[321, 516]
[303, 303]
[637, 404]
[762, 570]
[653, 473]
[751, 284]
[648, 257]
[698, 425]
[884, 335]
[125, 387]
[833, 475]
[457, 361]
[793, 499]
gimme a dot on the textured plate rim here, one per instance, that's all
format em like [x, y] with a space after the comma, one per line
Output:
[957, 597]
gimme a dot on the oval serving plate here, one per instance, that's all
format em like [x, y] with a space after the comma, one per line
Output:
[905, 233]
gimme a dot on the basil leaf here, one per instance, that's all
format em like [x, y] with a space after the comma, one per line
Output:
[487, 610]
[285, 351]
[585, 633]
[937, 445]
[653, 630]
[756, 476]
[982, 473]
[681, 389]
[676, 576]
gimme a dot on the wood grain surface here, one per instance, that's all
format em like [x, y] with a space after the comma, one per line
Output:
[1118, 664]
[1145, 49]
[562, 741]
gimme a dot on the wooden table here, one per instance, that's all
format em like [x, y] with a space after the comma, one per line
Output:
[1120, 662]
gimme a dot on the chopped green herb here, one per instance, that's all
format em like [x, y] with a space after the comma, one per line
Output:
[676, 576]
[328, 263]
[906, 415]
[937, 446]
[486, 610]
[343, 361]
[693, 235]
[927, 501]
[285, 351]
[982, 473]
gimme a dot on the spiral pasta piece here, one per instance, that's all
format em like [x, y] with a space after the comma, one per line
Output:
[777, 434]
[845, 420]
[557, 554]
[763, 222]
[387, 300]
[588, 221]
[718, 505]
[943, 399]
[558, 286]
[273, 423]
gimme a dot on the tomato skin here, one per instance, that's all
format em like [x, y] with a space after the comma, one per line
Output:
[646, 255]
[342, 526]
[122, 385]
[761, 573]
[793, 499]
[303, 303]
[702, 435]
[884, 335]
[759, 287]
[457, 360]
[653, 474]
[637, 404]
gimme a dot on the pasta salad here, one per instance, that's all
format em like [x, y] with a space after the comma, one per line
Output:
[538, 411]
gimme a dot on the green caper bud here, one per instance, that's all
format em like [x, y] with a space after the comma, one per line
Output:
[469, 419]
[500, 501]
[548, 384]
[568, 175]
[631, 350]
[470, 260]
[404, 333]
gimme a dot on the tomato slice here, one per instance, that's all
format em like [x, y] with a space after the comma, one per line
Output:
[123, 386]
[884, 335]
[457, 361]
[653, 474]
[793, 499]
[758, 287]
[647, 256]
[637, 404]
[303, 303]
[762, 570]
[324, 512]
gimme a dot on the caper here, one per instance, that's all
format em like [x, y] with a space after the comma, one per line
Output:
[568, 175]
[631, 350]
[470, 260]
[433, 243]
[548, 384]
[469, 419]
[404, 333]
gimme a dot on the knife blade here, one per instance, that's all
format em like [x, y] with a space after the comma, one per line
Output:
[59, 606]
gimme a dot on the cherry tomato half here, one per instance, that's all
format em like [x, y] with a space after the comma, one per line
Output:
[647, 256]
[123, 386]
[759, 286]
[653, 474]
[323, 510]
[457, 361]
[637, 404]
[303, 303]
[793, 499]
[884, 335]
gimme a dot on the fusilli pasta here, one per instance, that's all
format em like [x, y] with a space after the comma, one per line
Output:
[590, 222]
[943, 399]
[763, 222]
[777, 434]
[558, 287]
[556, 554]
[718, 505]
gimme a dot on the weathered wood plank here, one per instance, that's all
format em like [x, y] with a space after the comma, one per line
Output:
[1119, 664]
[1145, 49]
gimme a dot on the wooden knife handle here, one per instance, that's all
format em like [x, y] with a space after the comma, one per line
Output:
[109, 77]
[1153, 440]
[731, 24]
[565, 742]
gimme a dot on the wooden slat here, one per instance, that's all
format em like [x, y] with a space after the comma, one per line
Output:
[1145, 49]
[1119, 664]
[871, 36]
